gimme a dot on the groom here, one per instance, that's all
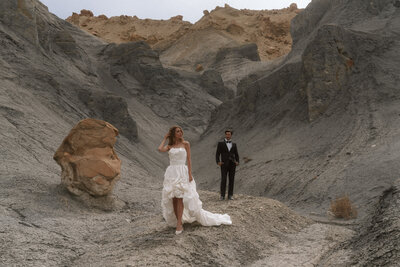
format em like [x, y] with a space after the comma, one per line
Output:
[227, 158]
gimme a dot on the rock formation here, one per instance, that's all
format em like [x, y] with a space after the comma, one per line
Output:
[88, 160]
[179, 43]
[338, 81]
[123, 29]
[111, 108]
[212, 80]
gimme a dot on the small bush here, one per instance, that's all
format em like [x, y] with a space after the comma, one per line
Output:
[342, 208]
[246, 159]
[199, 67]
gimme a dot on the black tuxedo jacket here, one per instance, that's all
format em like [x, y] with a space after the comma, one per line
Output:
[226, 156]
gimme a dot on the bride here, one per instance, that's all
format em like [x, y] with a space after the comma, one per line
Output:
[180, 201]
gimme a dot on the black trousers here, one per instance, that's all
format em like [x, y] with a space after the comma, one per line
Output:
[227, 170]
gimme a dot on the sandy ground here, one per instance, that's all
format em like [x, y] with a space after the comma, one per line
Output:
[133, 233]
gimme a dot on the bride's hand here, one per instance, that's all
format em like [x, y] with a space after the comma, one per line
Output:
[190, 178]
[166, 136]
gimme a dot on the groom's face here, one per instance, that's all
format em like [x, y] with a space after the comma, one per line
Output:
[228, 135]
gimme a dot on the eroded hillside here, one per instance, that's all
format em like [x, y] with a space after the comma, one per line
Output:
[269, 29]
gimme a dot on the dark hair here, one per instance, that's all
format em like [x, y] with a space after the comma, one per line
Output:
[229, 130]
[171, 137]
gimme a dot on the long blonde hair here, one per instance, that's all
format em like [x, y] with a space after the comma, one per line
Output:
[171, 137]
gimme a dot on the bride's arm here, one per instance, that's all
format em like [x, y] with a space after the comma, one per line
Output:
[162, 147]
[189, 162]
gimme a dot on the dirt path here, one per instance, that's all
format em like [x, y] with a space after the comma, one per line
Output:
[307, 247]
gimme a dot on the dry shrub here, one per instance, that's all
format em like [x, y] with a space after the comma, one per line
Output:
[199, 67]
[342, 208]
[246, 159]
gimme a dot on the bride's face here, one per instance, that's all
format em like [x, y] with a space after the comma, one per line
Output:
[178, 133]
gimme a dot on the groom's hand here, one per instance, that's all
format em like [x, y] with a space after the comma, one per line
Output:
[237, 163]
[220, 163]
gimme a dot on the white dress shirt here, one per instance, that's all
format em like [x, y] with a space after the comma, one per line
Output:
[229, 145]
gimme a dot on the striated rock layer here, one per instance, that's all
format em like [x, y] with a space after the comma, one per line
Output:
[88, 160]
[186, 45]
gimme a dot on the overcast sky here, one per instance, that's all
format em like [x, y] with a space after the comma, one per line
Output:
[191, 10]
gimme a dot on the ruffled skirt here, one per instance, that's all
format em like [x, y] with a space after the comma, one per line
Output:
[176, 184]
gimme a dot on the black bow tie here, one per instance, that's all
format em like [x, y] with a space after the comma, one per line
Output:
[228, 142]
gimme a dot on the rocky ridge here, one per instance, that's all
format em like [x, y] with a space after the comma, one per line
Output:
[183, 44]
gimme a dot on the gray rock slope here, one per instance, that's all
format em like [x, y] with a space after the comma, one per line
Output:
[53, 75]
[322, 122]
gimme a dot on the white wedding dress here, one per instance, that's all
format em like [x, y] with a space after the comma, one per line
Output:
[176, 184]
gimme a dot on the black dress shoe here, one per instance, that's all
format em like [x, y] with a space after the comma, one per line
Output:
[221, 198]
[230, 197]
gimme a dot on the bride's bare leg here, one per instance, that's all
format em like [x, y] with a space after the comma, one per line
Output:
[179, 213]
[174, 203]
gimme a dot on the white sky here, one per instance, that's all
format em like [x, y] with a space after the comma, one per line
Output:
[191, 10]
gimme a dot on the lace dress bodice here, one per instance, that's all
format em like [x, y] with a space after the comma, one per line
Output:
[177, 156]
